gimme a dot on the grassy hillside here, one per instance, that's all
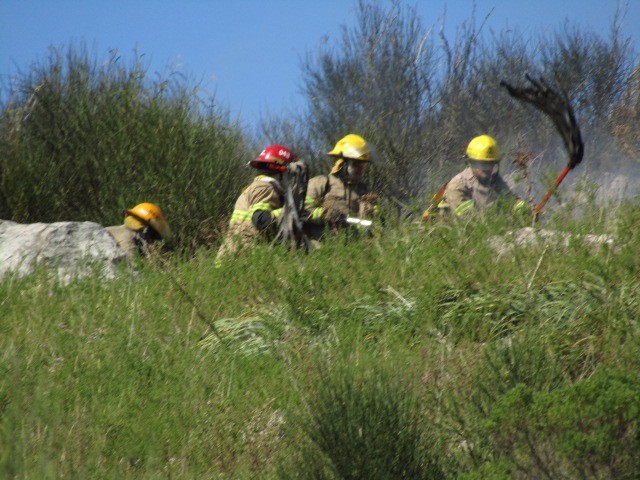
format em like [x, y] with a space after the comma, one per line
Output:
[417, 354]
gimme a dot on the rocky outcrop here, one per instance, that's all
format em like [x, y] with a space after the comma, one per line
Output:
[529, 237]
[68, 249]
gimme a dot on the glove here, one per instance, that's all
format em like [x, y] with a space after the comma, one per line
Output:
[371, 198]
[261, 219]
[336, 218]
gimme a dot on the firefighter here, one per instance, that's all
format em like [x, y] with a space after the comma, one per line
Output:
[479, 185]
[144, 225]
[260, 204]
[333, 198]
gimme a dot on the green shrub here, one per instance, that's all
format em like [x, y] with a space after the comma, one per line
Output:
[590, 429]
[362, 423]
[81, 140]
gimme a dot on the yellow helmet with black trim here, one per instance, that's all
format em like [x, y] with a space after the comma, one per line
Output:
[147, 214]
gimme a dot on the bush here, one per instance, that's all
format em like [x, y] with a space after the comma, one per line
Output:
[362, 423]
[80, 140]
[419, 96]
[590, 429]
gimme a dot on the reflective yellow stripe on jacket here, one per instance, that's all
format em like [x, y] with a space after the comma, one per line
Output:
[245, 215]
[464, 207]
[520, 205]
[316, 213]
[239, 215]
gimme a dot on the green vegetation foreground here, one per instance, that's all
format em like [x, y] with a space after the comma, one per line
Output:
[416, 355]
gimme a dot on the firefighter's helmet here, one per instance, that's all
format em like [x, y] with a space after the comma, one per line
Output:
[350, 147]
[484, 148]
[147, 214]
[274, 157]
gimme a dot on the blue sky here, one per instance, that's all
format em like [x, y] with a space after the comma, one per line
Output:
[247, 52]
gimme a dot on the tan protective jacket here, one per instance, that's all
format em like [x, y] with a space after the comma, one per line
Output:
[465, 192]
[129, 240]
[327, 194]
[264, 193]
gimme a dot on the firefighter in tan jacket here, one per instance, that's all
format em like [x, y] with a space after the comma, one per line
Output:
[333, 198]
[479, 185]
[260, 204]
[144, 225]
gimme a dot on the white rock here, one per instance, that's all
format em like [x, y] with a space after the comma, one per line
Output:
[70, 249]
[529, 237]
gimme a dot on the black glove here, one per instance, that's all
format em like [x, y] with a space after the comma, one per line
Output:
[261, 219]
[336, 218]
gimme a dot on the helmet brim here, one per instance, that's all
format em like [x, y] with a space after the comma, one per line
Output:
[274, 167]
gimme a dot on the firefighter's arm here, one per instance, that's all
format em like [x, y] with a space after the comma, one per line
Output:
[457, 199]
[316, 191]
[519, 206]
[266, 206]
[369, 207]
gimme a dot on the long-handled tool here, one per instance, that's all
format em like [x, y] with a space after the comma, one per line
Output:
[435, 200]
[556, 106]
[290, 226]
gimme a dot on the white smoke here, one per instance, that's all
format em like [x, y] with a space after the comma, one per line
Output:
[608, 174]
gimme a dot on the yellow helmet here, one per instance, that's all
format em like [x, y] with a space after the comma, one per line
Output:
[352, 147]
[145, 214]
[484, 148]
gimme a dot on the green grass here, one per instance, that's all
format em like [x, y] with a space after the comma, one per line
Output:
[124, 378]
[415, 354]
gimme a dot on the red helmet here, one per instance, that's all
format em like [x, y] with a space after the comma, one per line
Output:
[274, 157]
